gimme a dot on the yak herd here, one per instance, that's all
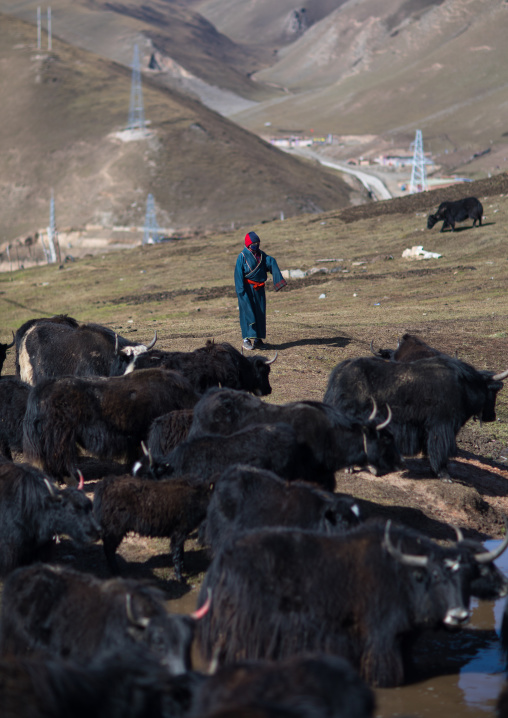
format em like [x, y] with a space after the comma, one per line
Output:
[305, 606]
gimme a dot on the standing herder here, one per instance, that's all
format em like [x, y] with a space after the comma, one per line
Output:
[251, 271]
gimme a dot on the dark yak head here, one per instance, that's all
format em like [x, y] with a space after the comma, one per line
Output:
[126, 353]
[483, 578]
[168, 637]
[434, 584]
[493, 383]
[343, 513]
[71, 513]
[379, 445]
[253, 371]
[431, 220]
[255, 374]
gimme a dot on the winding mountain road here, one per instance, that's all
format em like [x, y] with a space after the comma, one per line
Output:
[373, 184]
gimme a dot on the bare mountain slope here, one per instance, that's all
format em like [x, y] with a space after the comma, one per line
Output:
[265, 22]
[376, 68]
[59, 131]
[110, 29]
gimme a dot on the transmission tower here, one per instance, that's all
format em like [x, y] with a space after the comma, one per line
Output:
[151, 233]
[52, 236]
[418, 173]
[136, 111]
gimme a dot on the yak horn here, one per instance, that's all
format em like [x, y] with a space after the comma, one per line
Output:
[140, 622]
[8, 346]
[149, 346]
[372, 348]
[460, 535]
[404, 558]
[81, 481]
[385, 423]
[116, 343]
[147, 453]
[51, 488]
[200, 612]
[489, 556]
[270, 361]
[374, 410]
[500, 377]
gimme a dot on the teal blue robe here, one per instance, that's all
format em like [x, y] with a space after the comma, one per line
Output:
[252, 301]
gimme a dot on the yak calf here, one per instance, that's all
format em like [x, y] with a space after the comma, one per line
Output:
[172, 507]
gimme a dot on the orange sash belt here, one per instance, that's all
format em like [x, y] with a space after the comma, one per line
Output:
[256, 285]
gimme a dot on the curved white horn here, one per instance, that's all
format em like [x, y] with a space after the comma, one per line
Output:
[149, 346]
[489, 556]
[374, 411]
[460, 535]
[500, 377]
[270, 361]
[387, 420]
[404, 558]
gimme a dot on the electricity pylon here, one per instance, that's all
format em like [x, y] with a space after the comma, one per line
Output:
[151, 233]
[418, 173]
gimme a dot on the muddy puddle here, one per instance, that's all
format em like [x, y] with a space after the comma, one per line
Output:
[465, 669]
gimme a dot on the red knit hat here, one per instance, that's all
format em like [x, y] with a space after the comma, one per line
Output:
[251, 238]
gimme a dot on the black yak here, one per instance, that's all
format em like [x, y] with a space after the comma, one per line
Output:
[364, 595]
[457, 211]
[33, 511]
[108, 417]
[431, 400]
[336, 440]
[56, 611]
[57, 346]
[213, 365]
[245, 498]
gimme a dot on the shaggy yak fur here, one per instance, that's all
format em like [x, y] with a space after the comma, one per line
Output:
[172, 508]
[33, 511]
[335, 440]
[132, 686]
[109, 417]
[280, 592]
[317, 686]
[431, 400]
[273, 447]
[57, 611]
[247, 498]
[458, 211]
[213, 365]
[13, 400]
[58, 346]
[168, 431]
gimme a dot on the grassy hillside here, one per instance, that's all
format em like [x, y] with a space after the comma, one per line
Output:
[58, 130]
[184, 289]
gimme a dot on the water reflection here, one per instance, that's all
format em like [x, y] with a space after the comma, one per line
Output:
[474, 670]
[466, 668]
